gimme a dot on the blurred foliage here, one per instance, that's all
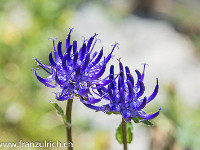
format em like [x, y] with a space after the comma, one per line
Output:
[181, 14]
[178, 126]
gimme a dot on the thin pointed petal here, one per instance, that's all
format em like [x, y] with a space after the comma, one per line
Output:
[45, 67]
[58, 80]
[64, 62]
[74, 47]
[60, 49]
[52, 62]
[138, 75]
[131, 79]
[121, 68]
[110, 94]
[127, 70]
[69, 54]
[55, 52]
[112, 69]
[83, 52]
[75, 59]
[90, 100]
[143, 72]
[97, 108]
[143, 104]
[122, 97]
[153, 95]
[110, 55]
[44, 81]
[68, 39]
[122, 77]
[149, 117]
[142, 89]
[97, 59]
[41, 64]
[119, 82]
[101, 83]
[85, 64]
[93, 56]
[100, 73]
[130, 89]
[90, 42]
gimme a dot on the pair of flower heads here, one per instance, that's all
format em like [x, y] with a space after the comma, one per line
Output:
[78, 72]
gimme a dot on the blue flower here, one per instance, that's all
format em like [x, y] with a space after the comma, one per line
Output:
[75, 71]
[125, 96]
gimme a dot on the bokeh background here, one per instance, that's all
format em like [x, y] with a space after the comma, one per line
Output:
[162, 33]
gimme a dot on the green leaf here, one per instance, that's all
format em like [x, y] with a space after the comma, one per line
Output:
[60, 112]
[110, 113]
[129, 133]
[135, 120]
[147, 122]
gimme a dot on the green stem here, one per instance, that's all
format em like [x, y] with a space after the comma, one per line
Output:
[68, 128]
[124, 133]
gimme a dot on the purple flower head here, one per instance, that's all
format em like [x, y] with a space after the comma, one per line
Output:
[73, 70]
[125, 96]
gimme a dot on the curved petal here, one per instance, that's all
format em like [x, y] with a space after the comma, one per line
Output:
[64, 63]
[143, 104]
[83, 52]
[148, 117]
[97, 108]
[55, 52]
[142, 89]
[110, 55]
[143, 71]
[90, 100]
[130, 89]
[69, 54]
[112, 69]
[62, 98]
[122, 97]
[44, 81]
[68, 39]
[139, 77]
[93, 56]
[100, 73]
[130, 78]
[110, 94]
[119, 83]
[153, 95]
[121, 68]
[52, 62]
[75, 59]
[59, 81]
[127, 70]
[41, 64]
[90, 42]
[101, 83]
[60, 49]
[86, 62]
[74, 47]
[97, 59]
[45, 67]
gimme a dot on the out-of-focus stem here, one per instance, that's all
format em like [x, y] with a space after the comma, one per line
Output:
[124, 134]
[69, 128]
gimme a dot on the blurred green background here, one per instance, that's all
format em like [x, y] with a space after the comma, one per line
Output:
[25, 113]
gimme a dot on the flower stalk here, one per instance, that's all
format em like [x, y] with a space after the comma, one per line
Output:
[69, 128]
[124, 134]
